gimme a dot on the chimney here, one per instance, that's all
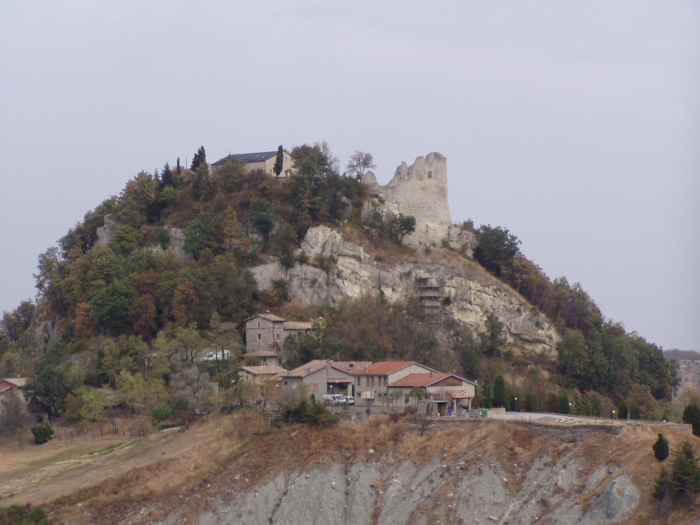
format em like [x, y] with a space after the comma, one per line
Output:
[431, 373]
[366, 369]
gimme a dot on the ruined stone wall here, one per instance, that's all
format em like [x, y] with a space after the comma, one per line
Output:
[419, 190]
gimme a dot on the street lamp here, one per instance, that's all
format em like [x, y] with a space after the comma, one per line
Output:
[516, 404]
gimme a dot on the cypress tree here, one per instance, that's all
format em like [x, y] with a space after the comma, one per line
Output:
[167, 178]
[691, 416]
[661, 450]
[199, 158]
[635, 413]
[564, 407]
[596, 408]
[622, 410]
[487, 393]
[500, 392]
[279, 161]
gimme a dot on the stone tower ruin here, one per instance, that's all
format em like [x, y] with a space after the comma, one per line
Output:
[419, 190]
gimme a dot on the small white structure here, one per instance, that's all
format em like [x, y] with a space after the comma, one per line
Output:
[262, 160]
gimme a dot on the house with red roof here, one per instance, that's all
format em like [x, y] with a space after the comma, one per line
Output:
[12, 385]
[435, 386]
[318, 377]
[372, 381]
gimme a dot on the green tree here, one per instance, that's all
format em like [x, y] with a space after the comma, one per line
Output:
[596, 408]
[551, 404]
[42, 432]
[110, 307]
[563, 404]
[634, 413]
[229, 177]
[285, 242]
[13, 416]
[199, 159]
[494, 337]
[202, 183]
[622, 410]
[161, 411]
[685, 476]
[487, 393]
[199, 234]
[168, 178]
[496, 250]
[660, 448]
[662, 485]
[279, 161]
[401, 225]
[691, 416]
[264, 215]
[500, 392]
[531, 402]
[48, 389]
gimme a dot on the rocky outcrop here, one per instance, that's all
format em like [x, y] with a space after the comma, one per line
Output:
[471, 489]
[449, 289]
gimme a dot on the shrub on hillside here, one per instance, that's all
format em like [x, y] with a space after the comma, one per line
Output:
[660, 448]
[42, 432]
[307, 410]
[23, 515]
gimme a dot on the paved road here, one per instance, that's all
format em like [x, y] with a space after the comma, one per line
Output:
[550, 418]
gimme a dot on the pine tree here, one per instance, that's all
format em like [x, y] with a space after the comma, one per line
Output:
[500, 392]
[167, 178]
[563, 404]
[662, 486]
[661, 448]
[279, 161]
[691, 416]
[596, 408]
[686, 473]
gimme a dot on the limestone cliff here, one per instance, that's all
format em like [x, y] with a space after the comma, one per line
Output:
[443, 282]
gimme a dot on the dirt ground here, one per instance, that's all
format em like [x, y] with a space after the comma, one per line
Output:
[40, 473]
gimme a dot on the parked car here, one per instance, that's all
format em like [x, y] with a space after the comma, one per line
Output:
[339, 399]
[350, 400]
[217, 356]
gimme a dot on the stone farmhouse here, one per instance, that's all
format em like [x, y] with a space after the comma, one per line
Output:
[318, 377]
[14, 385]
[265, 336]
[385, 382]
[263, 160]
[258, 374]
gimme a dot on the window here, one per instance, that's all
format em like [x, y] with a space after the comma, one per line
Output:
[315, 387]
[430, 174]
[285, 382]
[259, 336]
[278, 337]
[258, 325]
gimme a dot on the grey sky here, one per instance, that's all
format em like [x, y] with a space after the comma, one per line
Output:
[574, 125]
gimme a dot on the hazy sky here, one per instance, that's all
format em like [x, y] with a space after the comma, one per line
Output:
[576, 125]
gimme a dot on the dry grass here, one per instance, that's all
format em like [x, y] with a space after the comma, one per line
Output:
[222, 458]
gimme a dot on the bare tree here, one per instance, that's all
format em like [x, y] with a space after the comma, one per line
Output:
[359, 163]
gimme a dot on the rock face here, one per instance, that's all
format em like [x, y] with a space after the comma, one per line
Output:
[467, 293]
[389, 493]
[419, 190]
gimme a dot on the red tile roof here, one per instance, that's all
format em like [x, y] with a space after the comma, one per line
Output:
[419, 380]
[382, 368]
[18, 382]
[309, 368]
[350, 367]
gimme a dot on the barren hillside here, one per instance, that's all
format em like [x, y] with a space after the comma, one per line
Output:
[381, 471]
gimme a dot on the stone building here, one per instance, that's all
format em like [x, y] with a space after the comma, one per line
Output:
[435, 386]
[318, 377]
[265, 335]
[263, 160]
[418, 190]
[372, 381]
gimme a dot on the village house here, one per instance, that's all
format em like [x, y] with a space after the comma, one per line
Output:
[372, 382]
[14, 385]
[263, 160]
[434, 386]
[265, 336]
[257, 374]
[318, 377]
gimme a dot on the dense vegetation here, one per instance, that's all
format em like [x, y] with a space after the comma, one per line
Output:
[120, 324]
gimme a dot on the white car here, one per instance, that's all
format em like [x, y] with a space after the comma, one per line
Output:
[217, 356]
